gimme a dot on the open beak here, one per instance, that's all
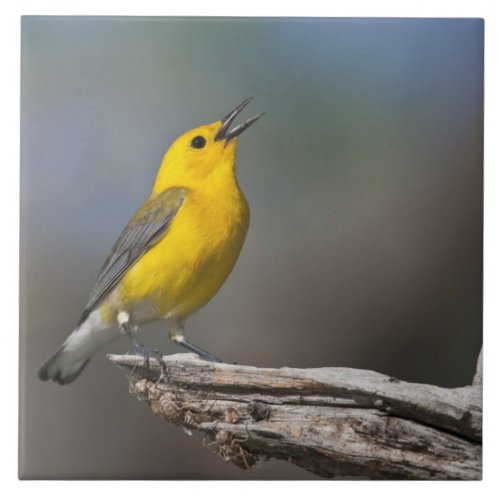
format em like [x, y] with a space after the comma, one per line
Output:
[225, 133]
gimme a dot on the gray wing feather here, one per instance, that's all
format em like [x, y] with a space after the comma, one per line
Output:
[145, 229]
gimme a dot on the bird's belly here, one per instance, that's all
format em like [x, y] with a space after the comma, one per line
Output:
[184, 270]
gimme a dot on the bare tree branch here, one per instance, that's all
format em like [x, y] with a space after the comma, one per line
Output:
[334, 422]
[478, 377]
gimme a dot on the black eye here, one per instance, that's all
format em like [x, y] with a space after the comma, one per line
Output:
[198, 142]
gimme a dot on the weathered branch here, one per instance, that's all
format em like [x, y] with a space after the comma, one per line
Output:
[334, 422]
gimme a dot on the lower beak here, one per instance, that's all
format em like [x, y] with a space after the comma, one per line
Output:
[225, 133]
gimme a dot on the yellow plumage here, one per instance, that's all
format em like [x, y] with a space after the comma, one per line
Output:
[185, 269]
[175, 253]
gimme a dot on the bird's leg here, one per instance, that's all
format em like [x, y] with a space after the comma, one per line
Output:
[177, 335]
[125, 326]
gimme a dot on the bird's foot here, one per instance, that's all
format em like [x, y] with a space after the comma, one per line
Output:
[198, 350]
[147, 353]
[210, 357]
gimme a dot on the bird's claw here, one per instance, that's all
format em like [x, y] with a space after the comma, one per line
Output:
[210, 357]
[207, 356]
[147, 353]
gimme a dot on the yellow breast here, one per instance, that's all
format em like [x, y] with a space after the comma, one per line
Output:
[185, 269]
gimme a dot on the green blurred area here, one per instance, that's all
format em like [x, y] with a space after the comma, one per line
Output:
[364, 180]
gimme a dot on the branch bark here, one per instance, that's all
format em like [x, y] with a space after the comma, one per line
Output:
[334, 422]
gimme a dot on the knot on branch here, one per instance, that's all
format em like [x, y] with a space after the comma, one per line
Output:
[193, 413]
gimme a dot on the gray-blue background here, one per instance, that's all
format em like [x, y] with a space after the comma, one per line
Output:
[365, 185]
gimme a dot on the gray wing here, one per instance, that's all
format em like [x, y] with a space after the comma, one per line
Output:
[147, 227]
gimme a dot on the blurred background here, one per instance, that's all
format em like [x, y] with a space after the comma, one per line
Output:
[364, 180]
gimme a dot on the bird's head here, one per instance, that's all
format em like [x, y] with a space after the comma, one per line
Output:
[202, 152]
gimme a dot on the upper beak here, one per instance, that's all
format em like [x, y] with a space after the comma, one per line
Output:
[223, 132]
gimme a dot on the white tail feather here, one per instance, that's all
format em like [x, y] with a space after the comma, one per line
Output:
[67, 363]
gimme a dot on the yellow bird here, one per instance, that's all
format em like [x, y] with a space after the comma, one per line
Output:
[174, 254]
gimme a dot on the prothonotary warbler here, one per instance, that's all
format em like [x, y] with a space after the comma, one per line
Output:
[174, 254]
